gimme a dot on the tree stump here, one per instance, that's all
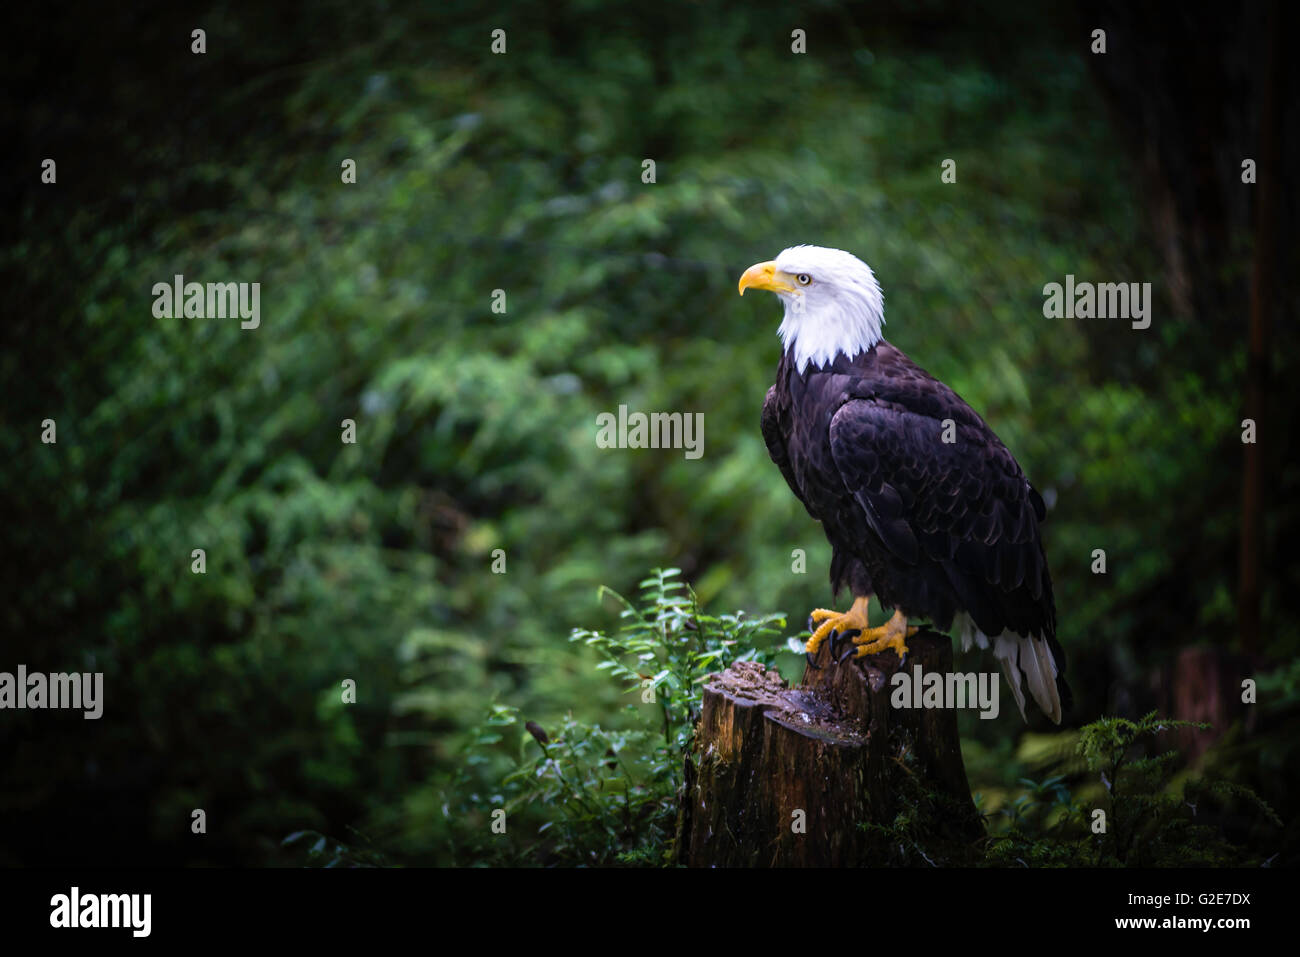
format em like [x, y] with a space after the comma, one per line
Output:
[828, 773]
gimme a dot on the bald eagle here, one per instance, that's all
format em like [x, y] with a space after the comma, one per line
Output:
[923, 505]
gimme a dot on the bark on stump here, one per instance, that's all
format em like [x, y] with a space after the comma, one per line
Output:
[835, 749]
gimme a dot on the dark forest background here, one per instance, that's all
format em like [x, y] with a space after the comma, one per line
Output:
[476, 431]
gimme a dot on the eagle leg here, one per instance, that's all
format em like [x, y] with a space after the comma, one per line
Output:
[892, 635]
[831, 622]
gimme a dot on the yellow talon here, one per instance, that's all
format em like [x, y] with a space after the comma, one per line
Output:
[854, 618]
[892, 635]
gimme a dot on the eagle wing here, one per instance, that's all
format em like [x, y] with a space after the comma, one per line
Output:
[964, 504]
[776, 427]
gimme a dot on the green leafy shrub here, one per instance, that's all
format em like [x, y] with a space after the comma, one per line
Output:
[584, 794]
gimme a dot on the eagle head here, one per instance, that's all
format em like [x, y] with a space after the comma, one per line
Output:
[833, 303]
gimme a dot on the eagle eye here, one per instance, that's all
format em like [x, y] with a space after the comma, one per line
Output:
[803, 278]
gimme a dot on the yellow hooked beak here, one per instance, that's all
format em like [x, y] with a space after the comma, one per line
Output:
[766, 276]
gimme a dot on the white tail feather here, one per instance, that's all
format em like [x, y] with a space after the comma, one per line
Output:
[1017, 654]
[1007, 650]
[1036, 660]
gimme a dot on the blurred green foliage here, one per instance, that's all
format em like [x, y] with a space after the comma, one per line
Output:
[1145, 819]
[522, 172]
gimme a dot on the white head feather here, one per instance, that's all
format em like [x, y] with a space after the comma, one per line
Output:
[841, 309]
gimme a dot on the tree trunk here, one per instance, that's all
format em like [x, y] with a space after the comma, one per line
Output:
[1204, 684]
[826, 774]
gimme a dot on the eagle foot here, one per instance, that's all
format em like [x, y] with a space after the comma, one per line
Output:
[833, 626]
[891, 636]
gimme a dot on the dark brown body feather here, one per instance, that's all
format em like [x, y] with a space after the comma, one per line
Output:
[929, 527]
